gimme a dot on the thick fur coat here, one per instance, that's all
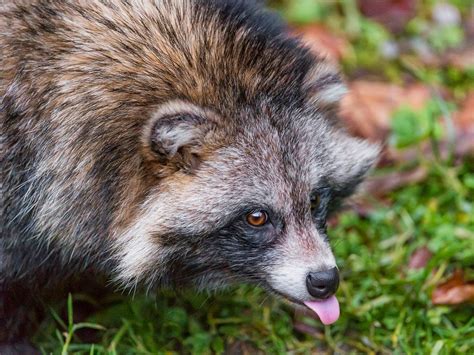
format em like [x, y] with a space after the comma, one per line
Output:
[137, 134]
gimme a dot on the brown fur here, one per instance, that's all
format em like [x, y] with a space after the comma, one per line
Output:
[136, 133]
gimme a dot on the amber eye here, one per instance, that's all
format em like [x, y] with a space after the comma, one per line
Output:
[315, 200]
[257, 218]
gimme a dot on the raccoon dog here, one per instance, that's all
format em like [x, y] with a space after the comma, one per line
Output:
[167, 143]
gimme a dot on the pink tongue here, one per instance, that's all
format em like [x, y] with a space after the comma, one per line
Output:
[327, 310]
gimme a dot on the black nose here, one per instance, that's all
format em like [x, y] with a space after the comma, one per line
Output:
[322, 284]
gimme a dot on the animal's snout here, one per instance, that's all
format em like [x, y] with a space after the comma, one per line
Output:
[322, 284]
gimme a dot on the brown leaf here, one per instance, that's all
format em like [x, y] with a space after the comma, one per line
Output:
[363, 205]
[454, 291]
[322, 41]
[381, 185]
[464, 119]
[241, 347]
[393, 14]
[369, 106]
[420, 258]
[462, 59]
[309, 330]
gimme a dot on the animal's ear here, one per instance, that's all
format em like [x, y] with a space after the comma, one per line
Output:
[352, 159]
[176, 135]
[323, 85]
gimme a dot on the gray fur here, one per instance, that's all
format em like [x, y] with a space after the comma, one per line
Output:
[134, 135]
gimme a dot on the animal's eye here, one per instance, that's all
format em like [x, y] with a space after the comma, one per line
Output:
[257, 218]
[315, 201]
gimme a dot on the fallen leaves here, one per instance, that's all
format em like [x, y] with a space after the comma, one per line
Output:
[309, 330]
[393, 14]
[369, 106]
[322, 42]
[462, 59]
[242, 348]
[380, 185]
[454, 291]
[464, 119]
[420, 258]
[368, 110]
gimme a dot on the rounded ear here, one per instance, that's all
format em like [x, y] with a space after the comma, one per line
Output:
[323, 85]
[176, 135]
[353, 159]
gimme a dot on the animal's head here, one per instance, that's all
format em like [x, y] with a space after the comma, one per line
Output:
[245, 166]
[244, 198]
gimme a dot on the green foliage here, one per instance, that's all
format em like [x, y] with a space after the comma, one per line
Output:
[367, 45]
[444, 37]
[411, 127]
[306, 11]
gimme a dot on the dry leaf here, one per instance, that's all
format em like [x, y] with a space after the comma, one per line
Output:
[241, 347]
[420, 258]
[322, 41]
[454, 291]
[368, 107]
[381, 185]
[309, 330]
[393, 14]
[463, 59]
[464, 119]
[464, 144]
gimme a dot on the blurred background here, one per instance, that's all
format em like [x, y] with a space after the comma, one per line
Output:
[405, 245]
